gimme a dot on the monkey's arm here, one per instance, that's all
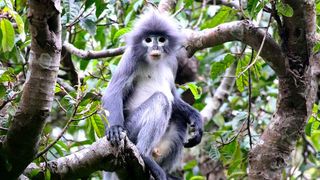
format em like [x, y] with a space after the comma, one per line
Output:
[114, 95]
[192, 117]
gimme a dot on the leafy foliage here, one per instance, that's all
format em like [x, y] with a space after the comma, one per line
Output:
[100, 25]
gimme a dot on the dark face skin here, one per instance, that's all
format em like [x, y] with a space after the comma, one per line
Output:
[155, 46]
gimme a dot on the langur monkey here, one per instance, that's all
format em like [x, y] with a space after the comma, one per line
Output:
[142, 100]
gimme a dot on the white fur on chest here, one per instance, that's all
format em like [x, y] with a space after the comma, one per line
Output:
[151, 79]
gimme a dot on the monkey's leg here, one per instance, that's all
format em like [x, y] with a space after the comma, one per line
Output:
[146, 125]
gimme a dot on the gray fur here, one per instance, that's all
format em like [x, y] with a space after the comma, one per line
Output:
[142, 98]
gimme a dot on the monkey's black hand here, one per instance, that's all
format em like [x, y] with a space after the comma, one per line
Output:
[196, 127]
[114, 134]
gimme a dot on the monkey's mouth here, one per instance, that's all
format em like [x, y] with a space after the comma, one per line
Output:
[155, 54]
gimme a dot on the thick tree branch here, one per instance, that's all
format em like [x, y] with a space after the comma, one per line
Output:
[243, 31]
[93, 54]
[300, 32]
[21, 142]
[221, 94]
[101, 155]
[297, 94]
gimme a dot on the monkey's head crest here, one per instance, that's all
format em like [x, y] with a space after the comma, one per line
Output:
[154, 23]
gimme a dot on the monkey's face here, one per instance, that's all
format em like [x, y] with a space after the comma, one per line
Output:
[155, 46]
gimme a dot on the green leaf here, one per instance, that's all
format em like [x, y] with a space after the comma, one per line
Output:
[214, 153]
[7, 76]
[20, 25]
[89, 25]
[7, 35]
[101, 36]
[34, 173]
[72, 9]
[58, 149]
[190, 165]
[219, 120]
[284, 9]
[242, 79]
[100, 7]
[188, 3]
[88, 4]
[195, 90]
[19, 22]
[97, 125]
[2, 91]
[119, 33]
[224, 14]
[316, 48]
[47, 174]
[84, 64]
[218, 68]
[197, 178]
[318, 7]
[70, 111]
[254, 7]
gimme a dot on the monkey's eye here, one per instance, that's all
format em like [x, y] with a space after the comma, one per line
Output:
[162, 39]
[148, 40]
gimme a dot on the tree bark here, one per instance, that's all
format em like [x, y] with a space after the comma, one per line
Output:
[21, 142]
[297, 93]
[124, 159]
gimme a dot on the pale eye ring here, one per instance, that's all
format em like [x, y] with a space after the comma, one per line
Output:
[162, 39]
[148, 40]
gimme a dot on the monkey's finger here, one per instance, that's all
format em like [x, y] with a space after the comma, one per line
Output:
[108, 134]
[113, 140]
[117, 135]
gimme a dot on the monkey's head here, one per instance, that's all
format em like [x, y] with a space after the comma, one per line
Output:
[155, 36]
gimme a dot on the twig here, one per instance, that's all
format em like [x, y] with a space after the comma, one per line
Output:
[177, 12]
[79, 119]
[249, 101]
[201, 14]
[259, 51]
[93, 54]
[70, 120]
[4, 129]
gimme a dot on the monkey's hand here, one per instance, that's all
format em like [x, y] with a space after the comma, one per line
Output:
[114, 134]
[197, 128]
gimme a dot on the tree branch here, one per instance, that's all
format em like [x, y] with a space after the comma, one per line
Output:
[93, 54]
[125, 160]
[243, 31]
[221, 94]
[297, 94]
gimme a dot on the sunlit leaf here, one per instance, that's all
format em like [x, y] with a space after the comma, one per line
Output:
[195, 90]
[242, 77]
[190, 165]
[97, 125]
[119, 33]
[20, 25]
[7, 35]
[224, 15]
[197, 178]
[219, 67]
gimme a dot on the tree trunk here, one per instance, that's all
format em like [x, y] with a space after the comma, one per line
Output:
[21, 143]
